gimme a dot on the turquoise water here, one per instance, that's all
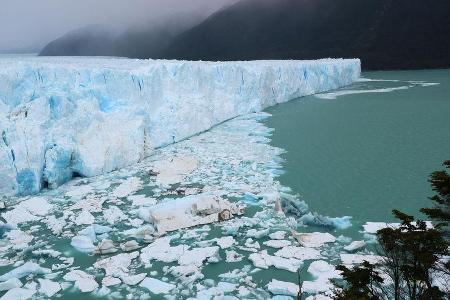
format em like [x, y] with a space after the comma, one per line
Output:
[360, 151]
[364, 154]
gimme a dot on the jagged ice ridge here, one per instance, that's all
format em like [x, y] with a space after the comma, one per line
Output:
[65, 117]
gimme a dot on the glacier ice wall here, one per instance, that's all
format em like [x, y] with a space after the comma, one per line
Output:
[64, 117]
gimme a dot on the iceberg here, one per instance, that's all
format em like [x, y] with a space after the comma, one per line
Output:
[67, 117]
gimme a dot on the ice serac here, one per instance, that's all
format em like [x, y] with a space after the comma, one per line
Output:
[63, 117]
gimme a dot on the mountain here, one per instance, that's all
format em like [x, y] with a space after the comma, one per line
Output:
[385, 34]
[143, 41]
[91, 40]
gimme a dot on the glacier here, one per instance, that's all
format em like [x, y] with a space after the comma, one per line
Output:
[66, 117]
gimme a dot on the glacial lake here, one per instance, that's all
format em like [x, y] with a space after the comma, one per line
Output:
[368, 148]
[360, 152]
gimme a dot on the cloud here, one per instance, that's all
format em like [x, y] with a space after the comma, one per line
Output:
[33, 23]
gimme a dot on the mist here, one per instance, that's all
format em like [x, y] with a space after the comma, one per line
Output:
[27, 26]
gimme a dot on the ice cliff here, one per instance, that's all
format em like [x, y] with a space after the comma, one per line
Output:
[66, 117]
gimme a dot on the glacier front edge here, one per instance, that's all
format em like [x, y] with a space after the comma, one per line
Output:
[66, 117]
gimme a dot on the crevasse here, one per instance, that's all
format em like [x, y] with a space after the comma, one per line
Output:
[66, 117]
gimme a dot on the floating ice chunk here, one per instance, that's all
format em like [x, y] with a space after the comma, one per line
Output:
[218, 291]
[300, 253]
[86, 285]
[116, 265]
[187, 273]
[277, 287]
[78, 192]
[83, 281]
[141, 200]
[48, 287]
[24, 270]
[355, 246]
[233, 256]
[18, 294]
[197, 256]
[19, 239]
[352, 259]
[82, 243]
[89, 232]
[105, 247]
[281, 297]
[28, 210]
[46, 253]
[225, 242]
[129, 186]
[10, 284]
[54, 224]
[250, 243]
[319, 297]
[257, 233]
[314, 239]
[334, 95]
[142, 233]
[277, 235]
[132, 279]
[85, 218]
[67, 263]
[157, 286]
[277, 243]
[92, 203]
[317, 286]
[264, 261]
[191, 211]
[113, 215]
[341, 222]
[129, 246]
[373, 227]
[110, 281]
[144, 214]
[322, 270]
[315, 219]
[174, 169]
[161, 250]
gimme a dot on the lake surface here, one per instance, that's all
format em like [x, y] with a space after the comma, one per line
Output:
[360, 152]
[368, 148]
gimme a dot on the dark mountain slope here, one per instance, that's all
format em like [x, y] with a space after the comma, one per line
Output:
[92, 40]
[106, 40]
[385, 34]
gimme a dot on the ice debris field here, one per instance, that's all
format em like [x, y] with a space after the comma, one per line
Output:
[203, 218]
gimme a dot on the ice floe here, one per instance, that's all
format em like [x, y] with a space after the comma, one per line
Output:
[24, 270]
[278, 287]
[10, 284]
[355, 246]
[18, 294]
[83, 281]
[157, 286]
[314, 239]
[352, 259]
[191, 211]
[48, 288]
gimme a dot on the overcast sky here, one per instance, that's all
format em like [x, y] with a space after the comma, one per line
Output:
[34, 23]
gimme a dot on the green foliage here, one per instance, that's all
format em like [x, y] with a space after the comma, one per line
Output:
[440, 183]
[361, 283]
[414, 251]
